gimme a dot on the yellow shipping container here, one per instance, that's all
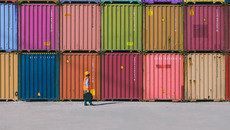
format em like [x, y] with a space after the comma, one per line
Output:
[205, 77]
[9, 76]
[195, 1]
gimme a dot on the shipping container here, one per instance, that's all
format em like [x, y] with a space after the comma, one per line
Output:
[33, 1]
[228, 77]
[163, 28]
[80, 26]
[9, 76]
[38, 27]
[121, 76]
[39, 76]
[8, 25]
[89, 1]
[205, 76]
[160, 1]
[121, 27]
[116, 1]
[227, 26]
[202, 1]
[13, 1]
[204, 28]
[163, 77]
[72, 73]
[227, 0]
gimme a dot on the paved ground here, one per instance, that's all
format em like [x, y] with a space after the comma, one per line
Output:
[114, 116]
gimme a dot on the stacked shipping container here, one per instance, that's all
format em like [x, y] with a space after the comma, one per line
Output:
[150, 41]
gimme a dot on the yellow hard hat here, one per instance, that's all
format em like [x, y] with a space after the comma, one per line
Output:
[87, 73]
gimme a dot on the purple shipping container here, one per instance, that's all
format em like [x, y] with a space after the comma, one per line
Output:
[154, 1]
[204, 28]
[121, 76]
[38, 27]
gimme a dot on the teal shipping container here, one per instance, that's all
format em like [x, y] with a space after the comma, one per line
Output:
[8, 26]
[121, 27]
[130, 1]
[39, 76]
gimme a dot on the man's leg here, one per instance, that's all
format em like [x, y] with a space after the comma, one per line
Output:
[85, 103]
[90, 103]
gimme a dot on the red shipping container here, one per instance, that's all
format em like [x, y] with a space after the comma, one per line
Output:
[227, 26]
[204, 28]
[121, 76]
[8, 1]
[80, 27]
[163, 77]
[227, 77]
[38, 27]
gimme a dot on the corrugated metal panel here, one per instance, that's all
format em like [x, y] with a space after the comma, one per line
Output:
[8, 76]
[90, 1]
[31, 1]
[163, 28]
[227, 0]
[80, 26]
[163, 77]
[38, 76]
[153, 1]
[111, 1]
[121, 76]
[72, 70]
[195, 1]
[38, 27]
[121, 27]
[204, 28]
[228, 77]
[8, 25]
[227, 26]
[205, 77]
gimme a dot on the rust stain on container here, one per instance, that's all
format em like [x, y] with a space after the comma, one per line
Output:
[163, 77]
[80, 27]
[205, 79]
[9, 76]
[72, 70]
[163, 28]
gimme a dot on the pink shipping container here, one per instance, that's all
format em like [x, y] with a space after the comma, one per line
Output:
[163, 77]
[38, 27]
[121, 76]
[227, 26]
[204, 28]
[80, 27]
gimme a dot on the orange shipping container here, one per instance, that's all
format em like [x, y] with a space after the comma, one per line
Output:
[72, 69]
[163, 28]
[9, 76]
[205, 77]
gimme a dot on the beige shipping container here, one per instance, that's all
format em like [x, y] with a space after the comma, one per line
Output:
[9, 76]
[163, 28]
[205, 77]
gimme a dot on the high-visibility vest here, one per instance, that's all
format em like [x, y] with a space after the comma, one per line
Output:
[84, 84]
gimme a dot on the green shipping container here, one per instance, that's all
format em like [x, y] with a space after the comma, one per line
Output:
[121, 27]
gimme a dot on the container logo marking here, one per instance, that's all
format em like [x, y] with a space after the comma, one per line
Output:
[129, 43]
[67, 14]
[47, 43]
[122, 67]
[150, 12]
[191, 12]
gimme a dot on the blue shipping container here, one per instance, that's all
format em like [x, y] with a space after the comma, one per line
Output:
[89, 1]
[227, 0]
[39, 76]
[8, 25]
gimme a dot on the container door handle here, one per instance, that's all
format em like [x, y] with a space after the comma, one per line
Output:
[16, 93]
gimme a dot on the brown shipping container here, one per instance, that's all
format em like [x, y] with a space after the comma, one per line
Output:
[9, 76]
[163, 28]
[72, 70]
[205, 77]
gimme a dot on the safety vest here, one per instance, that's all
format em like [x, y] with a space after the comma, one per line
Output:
[84, 84]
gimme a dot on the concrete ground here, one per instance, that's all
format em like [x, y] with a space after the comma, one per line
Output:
[114, 116]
